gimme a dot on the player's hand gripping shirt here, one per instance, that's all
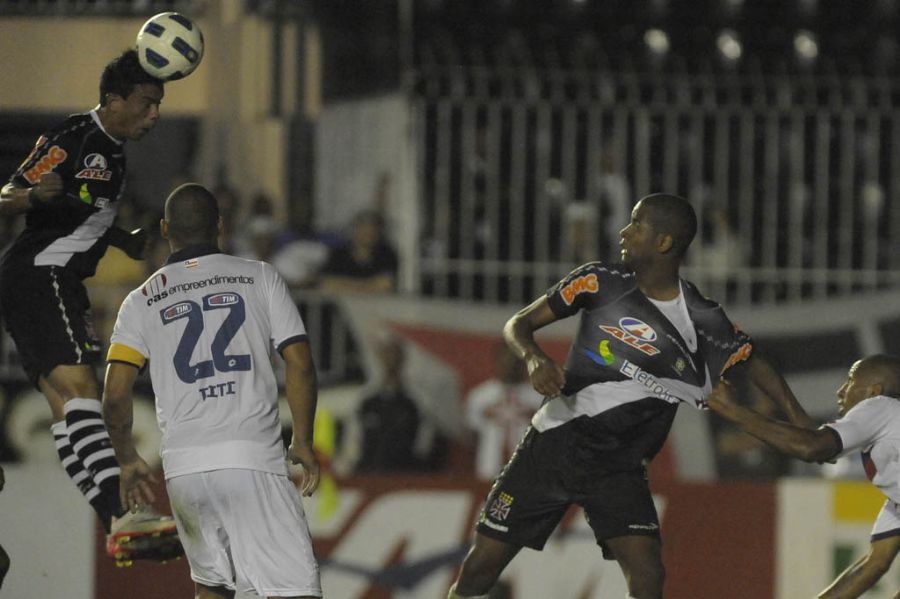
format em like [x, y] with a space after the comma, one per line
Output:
[873, 425]
[626, 350]
[69, 230]
[206, 322]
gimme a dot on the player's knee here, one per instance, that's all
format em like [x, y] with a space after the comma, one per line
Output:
[648, 584]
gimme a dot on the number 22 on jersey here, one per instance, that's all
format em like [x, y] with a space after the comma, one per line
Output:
[193, 312]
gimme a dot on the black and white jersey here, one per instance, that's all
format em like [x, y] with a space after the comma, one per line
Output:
[69, 231]
[631, 350]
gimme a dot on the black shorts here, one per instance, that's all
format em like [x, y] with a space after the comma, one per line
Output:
[48, 314]
[541, 481]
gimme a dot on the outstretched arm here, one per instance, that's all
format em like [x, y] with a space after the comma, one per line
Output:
[809, 445]
[770, 382]
[547, 377]
[865, 572]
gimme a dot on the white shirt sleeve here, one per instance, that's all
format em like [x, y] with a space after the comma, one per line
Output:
[862, 425]
[283, 313]
[127, 330]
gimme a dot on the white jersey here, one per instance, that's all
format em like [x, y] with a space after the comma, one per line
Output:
[873, 425]
[207, 324]
[500, 413]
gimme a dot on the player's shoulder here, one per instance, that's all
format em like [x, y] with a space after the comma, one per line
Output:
[696, 300]
[74, 125]
[595, 279]
[883, 408]
[610, 273]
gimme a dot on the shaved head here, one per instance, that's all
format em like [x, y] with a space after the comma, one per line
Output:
[672, 215]
[881, 369]
[192, 216]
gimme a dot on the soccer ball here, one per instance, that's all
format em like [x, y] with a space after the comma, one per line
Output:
[170, 46]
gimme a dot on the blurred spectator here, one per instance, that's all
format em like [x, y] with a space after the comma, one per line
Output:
[229, 207]
[389, 418]
[720, 247]
[616, 202]
[367, 262]
[297, 260]
[499, 410]
[581, 233]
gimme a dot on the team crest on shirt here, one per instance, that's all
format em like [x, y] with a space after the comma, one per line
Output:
[636, 333]
[499, 509]
[192, 263]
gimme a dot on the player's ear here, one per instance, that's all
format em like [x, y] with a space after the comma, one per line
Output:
[875, 389]
[664, 242]
[111, 98]
[164, 228]
[220, 227]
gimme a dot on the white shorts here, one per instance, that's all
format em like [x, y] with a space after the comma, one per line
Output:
[887, 524]
[245, 530]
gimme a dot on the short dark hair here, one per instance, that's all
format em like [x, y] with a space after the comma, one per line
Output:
[123, 74]
[672, 215]
[192, 214]
[882, 369]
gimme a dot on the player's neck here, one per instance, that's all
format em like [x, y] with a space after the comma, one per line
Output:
[660, 282]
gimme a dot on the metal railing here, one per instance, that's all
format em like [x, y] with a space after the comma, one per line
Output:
[524, 174]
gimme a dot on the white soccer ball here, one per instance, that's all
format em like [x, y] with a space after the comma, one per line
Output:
[170, 46]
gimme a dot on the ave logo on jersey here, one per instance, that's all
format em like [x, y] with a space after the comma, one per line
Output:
[635, 333]
[54, 156]
[95, 168]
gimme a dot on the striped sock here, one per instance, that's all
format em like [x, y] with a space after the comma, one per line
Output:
[73, 466]
[90, 442]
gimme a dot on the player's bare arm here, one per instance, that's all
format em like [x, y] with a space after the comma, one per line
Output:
[301, 392]
[770, 382]
[809, 445]
[118, 413]
[547, 377]
[864, 572]
[16, 200]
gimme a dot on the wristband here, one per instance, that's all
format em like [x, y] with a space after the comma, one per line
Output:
[33, 201]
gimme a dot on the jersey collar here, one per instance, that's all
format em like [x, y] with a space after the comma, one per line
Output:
[96, 117]
[192, 251]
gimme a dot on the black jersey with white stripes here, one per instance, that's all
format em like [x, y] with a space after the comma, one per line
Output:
[70, 231]
[628, 356]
